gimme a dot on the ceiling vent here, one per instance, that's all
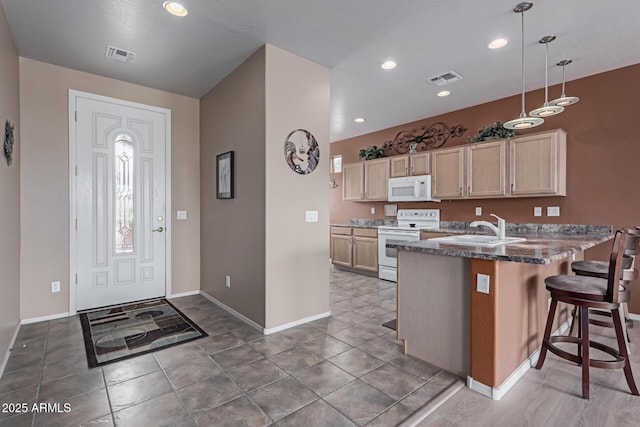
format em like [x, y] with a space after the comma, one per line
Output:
[446, 78]
[119, 54]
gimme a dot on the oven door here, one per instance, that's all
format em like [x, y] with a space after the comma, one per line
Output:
[388, 257]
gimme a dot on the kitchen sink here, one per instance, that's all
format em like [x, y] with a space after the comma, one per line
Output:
[477, 240]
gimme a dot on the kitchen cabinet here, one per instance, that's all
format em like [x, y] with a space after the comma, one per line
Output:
[355, 248]
[414, 164]
[353, 181]
[487, 169]
[365, 181]
[538, 164]
[447, 173]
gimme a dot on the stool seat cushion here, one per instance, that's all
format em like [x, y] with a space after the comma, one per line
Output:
[598, 268]
[581, 287]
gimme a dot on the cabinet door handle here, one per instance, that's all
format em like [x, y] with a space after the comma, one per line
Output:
[512, 187]
[361, 196]
[469, 190]
[461, 191]
[406, 171]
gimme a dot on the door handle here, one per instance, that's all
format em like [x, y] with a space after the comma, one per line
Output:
[159, 230]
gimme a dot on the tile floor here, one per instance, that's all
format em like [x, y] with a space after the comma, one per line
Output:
[344, 370]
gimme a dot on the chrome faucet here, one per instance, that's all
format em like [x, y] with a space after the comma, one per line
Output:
[499, 230]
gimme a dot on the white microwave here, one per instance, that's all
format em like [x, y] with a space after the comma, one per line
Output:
[410, 189]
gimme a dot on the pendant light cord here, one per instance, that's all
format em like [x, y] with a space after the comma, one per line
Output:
[523, 114]
[546, 75]
[563, 95]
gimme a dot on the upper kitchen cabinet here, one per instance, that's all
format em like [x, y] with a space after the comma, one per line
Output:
[487, 169]
[538, 164]
[415, 164]
[447, 176]
[365, 181]
[353, 181]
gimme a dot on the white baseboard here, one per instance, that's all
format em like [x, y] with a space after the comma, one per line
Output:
[44, 318]
[496, 393]
[268, 331]
[8, 352]
[633, 316]
[184, 294]
[232, 311]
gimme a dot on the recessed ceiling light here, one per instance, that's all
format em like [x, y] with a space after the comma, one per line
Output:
[498, 43]
[175, 8]
[388, 65]
[444, 93]
[359, 120]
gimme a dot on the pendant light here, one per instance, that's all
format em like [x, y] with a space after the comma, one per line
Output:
[564, 100]
[523, 122]
[546, 110]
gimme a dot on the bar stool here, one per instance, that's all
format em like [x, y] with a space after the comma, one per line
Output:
[586, 292]
[600, 269]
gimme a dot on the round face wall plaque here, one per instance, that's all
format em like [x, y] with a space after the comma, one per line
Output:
[301, 151]
[8, 142]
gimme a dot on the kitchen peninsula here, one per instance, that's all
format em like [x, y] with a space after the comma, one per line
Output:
[480, 311]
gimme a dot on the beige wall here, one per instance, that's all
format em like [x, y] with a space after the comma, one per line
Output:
[233, 231]
[297, 257]
[9, 192]
[45, 180]
[278, 263]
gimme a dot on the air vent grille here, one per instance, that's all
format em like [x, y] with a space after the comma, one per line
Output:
[445, 78]
[119, 54]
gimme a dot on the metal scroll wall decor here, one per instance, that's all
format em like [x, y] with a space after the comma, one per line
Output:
[301, 151]
[422, 138]
[8, 142]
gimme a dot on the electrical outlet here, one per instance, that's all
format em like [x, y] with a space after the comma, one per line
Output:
[482, 283]
[55, 287]
[373, 210]
[537, 211]
[478, 211]
[227, 281]
[553, 210]
[182, 215]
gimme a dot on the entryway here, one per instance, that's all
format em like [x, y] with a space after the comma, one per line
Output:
[119, 154]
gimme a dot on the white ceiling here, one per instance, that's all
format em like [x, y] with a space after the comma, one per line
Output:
[191, 55]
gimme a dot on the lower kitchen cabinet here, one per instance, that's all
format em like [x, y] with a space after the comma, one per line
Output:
[355, 248]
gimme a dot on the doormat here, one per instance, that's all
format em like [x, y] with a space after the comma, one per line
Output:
[123, 331]
[391, 324]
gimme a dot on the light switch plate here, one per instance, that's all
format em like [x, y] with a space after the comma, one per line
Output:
[181, 215]
[482, 283]
[373, 210]
[537, 211]
[311, 216]
[55, 287]
[553, 210]
[478, 211]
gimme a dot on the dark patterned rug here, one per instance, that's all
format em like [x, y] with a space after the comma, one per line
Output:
[123, 331]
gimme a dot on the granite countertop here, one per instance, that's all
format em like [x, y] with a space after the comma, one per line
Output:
[541, 247]
[545, 242]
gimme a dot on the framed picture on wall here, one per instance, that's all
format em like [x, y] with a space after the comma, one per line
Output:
[224, 175]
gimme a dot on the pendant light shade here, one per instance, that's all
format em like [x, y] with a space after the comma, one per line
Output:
[564, 100]
[546, 110]
[523, 122]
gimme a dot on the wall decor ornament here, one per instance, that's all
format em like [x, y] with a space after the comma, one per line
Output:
[8, 142]
[224, 175]
[421, 138]
[301, 151]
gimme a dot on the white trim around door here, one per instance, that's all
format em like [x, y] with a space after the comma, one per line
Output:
[73, 202]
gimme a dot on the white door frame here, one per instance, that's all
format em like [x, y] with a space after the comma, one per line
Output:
[73, 270]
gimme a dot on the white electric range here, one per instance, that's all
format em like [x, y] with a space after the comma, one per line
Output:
[410, 222]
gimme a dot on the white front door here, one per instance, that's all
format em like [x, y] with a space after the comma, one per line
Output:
[120, 199]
